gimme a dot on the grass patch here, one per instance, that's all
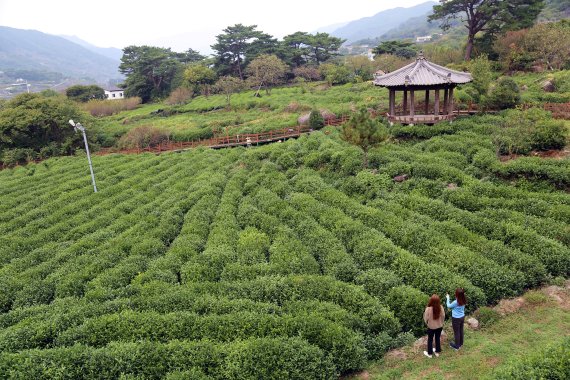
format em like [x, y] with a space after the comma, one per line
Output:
[485, 351]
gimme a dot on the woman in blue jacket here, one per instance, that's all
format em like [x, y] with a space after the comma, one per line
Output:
[457, 317]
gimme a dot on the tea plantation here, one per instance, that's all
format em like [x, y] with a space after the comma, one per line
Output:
[282, 261]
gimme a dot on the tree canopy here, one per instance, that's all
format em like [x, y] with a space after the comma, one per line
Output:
[150, 70]
[492, 16]
[399, 48]
[83, 94]
[266, 71]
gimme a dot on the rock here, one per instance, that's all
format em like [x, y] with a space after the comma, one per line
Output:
[548, 86]
[452, 186]
[524, 87]
[304, 119]
[509, 306]
[400, 178]
[473, 323]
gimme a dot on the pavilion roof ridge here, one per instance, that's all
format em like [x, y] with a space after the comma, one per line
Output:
[422, 73]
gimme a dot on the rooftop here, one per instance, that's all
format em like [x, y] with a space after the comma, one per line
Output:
[422, 73]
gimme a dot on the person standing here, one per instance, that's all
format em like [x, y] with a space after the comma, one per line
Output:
[434, 316]
[457, 317]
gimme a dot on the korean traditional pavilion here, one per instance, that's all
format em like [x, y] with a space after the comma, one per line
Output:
[422, 77]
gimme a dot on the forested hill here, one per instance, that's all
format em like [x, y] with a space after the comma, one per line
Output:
[34, 50]
[380, 23]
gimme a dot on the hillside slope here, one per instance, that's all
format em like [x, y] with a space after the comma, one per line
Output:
[382, 22]
[282, 261]
[33, 50]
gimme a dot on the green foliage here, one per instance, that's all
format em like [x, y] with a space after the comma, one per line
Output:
[535, 297]
[378, 282]
[267, 71]
[550, 363]
[31, 122]
[487, 316]
[409, 304]
[363, 131]
[505, 94]
[83, 94]
[151, 71]
[316, 120]
[335, 74]
[403, 49]
[480, 69]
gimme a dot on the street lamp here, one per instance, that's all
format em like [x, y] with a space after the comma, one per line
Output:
[78, 126]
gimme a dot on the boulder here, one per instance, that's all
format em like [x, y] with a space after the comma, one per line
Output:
[452, 186]
[472, 323]
[524, 87]
[304, 119]
[400, 178]
[548, 86]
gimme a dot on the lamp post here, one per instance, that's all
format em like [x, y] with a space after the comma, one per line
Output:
[78, 126]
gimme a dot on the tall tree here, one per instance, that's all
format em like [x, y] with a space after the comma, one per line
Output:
[149, 70]
[296, 48]
[323, 46]
[267, 71]
[486, 15]
[83, 94]
[237, 44]
[201, 77]
[402, 49]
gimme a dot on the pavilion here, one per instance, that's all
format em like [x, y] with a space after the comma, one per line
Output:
[422, 75]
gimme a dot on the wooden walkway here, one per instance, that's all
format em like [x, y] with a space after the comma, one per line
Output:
[218, 142]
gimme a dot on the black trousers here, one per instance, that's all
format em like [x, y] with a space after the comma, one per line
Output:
[457, 324]
[437, 335]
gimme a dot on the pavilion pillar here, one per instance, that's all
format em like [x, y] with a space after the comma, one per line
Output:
[405, 102]
[426, 109]
[445, 109]
[392, 100]
[450, 101]
[412, 103]
[436, 103]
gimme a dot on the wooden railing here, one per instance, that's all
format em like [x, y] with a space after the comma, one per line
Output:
[229, 141]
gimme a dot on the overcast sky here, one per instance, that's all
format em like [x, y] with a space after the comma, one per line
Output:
[180, 24]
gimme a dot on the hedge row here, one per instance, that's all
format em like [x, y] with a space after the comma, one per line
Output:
[266, 358]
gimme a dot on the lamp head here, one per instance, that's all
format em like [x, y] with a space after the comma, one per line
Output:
[72, 123]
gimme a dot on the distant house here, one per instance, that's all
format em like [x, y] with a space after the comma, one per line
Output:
[114, 93]
[423, 39]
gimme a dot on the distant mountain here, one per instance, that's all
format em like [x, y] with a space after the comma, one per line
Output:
[36, 51]
[382, 22]
[110, 52]
[330, 28]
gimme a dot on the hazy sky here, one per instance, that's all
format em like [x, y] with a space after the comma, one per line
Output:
[180, 24]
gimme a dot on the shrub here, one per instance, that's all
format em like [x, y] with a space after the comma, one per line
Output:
[276, 359]
[316, 120]
[143, 137]
[486, 316]
[505, 94]
[252, 246]
[179, 96]
[535, 297]
[408, 304]
[378, 282]
[111, 107]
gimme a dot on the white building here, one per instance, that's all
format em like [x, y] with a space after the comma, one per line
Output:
[423, 39]
[114, 93]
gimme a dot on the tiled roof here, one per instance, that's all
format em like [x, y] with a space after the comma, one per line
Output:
[422, 73]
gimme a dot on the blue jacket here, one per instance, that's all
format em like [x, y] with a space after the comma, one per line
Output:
[457, 311]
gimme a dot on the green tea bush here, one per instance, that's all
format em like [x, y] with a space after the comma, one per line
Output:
[378, 282]
[408, 304]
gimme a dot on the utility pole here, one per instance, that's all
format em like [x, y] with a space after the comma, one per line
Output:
[78, 126]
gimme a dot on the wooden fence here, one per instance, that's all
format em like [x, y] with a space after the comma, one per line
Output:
[228, 141]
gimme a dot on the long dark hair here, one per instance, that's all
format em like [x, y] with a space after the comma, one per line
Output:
[435, 304]
[460, 296]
